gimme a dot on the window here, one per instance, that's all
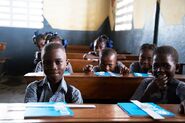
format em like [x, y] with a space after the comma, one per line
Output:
[123, 19]
[21, 13]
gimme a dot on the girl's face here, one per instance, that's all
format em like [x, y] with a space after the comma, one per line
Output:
[54, 64]
[41, 44]
[145, 59]
[99, 46]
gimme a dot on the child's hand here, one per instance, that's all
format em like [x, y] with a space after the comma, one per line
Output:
[124, 70]
[88, 68]
[182, 107]
[161, 81]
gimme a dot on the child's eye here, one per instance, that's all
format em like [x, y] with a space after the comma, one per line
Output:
[110, 65]
[46, 63]
[58, 62]
[166, 66]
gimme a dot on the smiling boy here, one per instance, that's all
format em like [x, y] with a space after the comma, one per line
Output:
[164, 88]
[53, 88]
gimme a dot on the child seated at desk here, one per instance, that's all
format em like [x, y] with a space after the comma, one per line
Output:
[98, 45]
[164, 88]
[144, 65]
[53, 88]
[39, 41]
[57, 39]
[108, 63]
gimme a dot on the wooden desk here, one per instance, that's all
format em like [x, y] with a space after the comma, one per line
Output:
[78, 49]
[106, 113]
[79, 64]
[120, 56]
[96, 89]
[100, 89]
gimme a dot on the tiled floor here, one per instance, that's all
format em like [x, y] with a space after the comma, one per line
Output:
[12, 89]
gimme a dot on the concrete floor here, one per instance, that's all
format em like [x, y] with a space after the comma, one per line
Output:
[12, 89]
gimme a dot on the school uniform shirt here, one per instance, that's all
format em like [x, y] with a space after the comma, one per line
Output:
[173, 94]
[117, 69]
[39, 68]
[135, 67]
[93, 53]
[37, 57]
[46, 94]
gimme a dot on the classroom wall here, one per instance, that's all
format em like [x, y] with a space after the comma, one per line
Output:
[171, 27]
[73, 20]
[79, 15]
[20, 48]
[142, 30]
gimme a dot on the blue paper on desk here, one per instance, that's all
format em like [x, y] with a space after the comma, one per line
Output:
[47, 109]
[134, 110]
[66, 73]
[102, 73]
[142, 74]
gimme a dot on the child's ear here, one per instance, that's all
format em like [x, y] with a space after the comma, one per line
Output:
[178, 69]
[67, 62]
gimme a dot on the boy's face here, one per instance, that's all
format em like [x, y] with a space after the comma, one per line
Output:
[54, 64]
[145, 59]
[99, 47]
[108, 63]
[163, 64]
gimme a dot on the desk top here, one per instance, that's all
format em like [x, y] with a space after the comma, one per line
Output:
[38, 76]
[105, 113]
[29, 77]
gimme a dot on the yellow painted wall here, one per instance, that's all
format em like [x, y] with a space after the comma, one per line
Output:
[112, 11]
[144, 10]
[173, 11]
[87, 15]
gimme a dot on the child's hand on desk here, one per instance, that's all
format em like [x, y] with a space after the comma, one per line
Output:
[88, 68]
[182, 107]
[124, 70]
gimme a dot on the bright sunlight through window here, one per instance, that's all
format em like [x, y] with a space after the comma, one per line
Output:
[124, 10]
[21, 13]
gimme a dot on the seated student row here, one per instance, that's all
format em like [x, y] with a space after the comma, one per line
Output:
[98, 45]
[53, 88]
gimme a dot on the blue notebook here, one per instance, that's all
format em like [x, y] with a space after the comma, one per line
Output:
[142, 74]
[47, 109]
[134, 110]
[102, 73]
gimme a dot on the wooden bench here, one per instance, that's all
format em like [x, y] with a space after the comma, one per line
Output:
[79, 64]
